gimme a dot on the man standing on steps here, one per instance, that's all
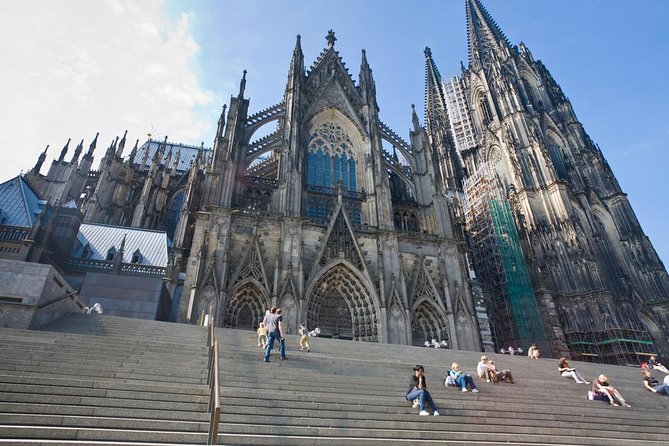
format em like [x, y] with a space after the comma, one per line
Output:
[274, 325]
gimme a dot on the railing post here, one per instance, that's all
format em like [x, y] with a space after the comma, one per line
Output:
[214, 406]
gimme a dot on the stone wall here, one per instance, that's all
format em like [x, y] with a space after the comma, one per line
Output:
[33, 294]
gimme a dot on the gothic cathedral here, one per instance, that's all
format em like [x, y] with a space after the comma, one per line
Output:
[498, 222]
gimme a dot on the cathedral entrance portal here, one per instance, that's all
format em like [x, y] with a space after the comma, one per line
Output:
[246, 308]
[335, 319]
[342, 306]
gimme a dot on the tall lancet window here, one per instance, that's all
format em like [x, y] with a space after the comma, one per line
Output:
[330, 159]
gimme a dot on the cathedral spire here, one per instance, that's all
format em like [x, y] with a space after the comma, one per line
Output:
[77, 152]
[367, 86]
[40, 160]
[435, 100]
[133, 153]
[221, 125]
[414, 118]
[484, 36]
[121, 145]
[242, 85]
[296, 71]
[93, 145]
[64, 151]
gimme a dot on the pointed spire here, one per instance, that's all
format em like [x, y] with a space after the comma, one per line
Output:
[221, 124]
[414, 118]
[111, 150]
[435, 99]
[64, 151]
[77, 152]
[40, 160]
[296, 70]
[121, 145]
[242, 85]
[365, 70]
[484, 37]
[331, 38]
[133, 153]
[298, 46]
[168, 159]
[93, 145]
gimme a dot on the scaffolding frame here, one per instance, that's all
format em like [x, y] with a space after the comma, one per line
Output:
[628, 343]
[499, 263]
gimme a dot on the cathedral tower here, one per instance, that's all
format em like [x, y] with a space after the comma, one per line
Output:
[599, 284]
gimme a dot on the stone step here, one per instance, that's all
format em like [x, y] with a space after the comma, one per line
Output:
[454, 415]
[78, 421]
[101, 411]
[101, 393]
[141, 375]
[99, 434]
[419, 432]
[195, 389]
[27, 398]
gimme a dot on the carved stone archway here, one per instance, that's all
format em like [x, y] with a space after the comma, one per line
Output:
[246, 307]
[428, 323]
[342, 306]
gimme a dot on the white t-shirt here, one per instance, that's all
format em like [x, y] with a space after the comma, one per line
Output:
[481, 367]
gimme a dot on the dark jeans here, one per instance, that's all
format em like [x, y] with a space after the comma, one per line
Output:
[422, 396]
[270, 345]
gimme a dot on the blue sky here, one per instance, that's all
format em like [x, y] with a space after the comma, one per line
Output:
[166, 67]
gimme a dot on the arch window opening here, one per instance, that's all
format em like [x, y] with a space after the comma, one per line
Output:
[330, 158]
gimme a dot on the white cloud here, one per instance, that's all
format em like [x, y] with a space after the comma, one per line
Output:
[72, 68]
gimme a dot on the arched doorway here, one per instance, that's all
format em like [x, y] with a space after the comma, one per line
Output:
[246, 307]
[428, 323]
[342, 306]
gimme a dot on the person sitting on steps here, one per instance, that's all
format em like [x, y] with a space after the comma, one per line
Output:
[462, 379]
[652, 384]
[601, 386]
[567, 371]
[484, 371]
[653, 364]
[418, 390]
[499, 376]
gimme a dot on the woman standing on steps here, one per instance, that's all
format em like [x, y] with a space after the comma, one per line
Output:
[567, 371]
[418, 390]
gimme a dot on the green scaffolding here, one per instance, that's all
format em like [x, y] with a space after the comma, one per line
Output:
[520, 296]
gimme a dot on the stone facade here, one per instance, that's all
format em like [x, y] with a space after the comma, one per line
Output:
[329, 225]
[34, 294]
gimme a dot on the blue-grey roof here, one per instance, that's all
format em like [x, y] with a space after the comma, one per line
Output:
[100, 238]
[19, 206]
[188, 154]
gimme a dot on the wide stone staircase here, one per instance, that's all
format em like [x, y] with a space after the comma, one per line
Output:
[109, 380]
[350, 393]
[92, 378]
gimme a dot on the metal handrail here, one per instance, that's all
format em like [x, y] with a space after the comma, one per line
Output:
[214, 407]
